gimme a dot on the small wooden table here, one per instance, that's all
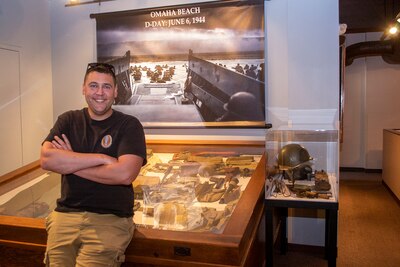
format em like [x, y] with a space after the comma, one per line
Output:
[280, 207]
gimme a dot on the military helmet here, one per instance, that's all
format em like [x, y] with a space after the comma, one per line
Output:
[292, 155]
[244, 104]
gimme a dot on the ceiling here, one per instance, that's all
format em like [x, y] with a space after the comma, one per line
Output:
[367, 15]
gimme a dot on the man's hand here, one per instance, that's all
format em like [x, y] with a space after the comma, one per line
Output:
[63, 143]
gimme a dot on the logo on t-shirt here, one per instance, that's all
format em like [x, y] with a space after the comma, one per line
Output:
[106, 142]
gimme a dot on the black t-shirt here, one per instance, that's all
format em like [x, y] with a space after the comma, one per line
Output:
[115, 136]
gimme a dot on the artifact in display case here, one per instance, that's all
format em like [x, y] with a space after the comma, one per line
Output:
[302, 165]
[191, 191]
[195, 205]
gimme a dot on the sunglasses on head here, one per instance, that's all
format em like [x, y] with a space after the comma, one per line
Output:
[96, 65]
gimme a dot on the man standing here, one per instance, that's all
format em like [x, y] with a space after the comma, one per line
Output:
[99, 152]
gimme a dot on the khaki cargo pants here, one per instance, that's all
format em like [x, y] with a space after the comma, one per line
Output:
[86, 239]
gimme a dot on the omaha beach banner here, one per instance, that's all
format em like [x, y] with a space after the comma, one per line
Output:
[194, 65]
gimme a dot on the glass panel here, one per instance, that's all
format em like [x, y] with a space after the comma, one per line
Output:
[189, 191]
[34, 199]
[302, 165]
[182, 188]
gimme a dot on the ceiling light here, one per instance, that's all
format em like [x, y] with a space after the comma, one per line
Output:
[393, 30]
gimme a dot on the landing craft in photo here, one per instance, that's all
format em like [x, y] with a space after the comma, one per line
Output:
[222, 94]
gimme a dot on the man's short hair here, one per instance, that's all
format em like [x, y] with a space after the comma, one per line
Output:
[101, 68]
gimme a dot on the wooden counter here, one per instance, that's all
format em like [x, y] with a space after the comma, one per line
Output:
[391, 160]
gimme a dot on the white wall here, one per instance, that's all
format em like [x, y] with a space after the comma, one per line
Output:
[371, 105]
[25, 28]
[10, 106]
[302, 62]
[303, 82]
[301, 87]
[303, 76]
[74, 45]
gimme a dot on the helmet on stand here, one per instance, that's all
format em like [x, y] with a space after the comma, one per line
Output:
[294, 160]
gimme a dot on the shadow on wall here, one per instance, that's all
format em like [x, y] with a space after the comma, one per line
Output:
[374, 161]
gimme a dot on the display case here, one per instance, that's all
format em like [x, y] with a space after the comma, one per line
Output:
[302, 172]
[196, 204]
[303, 165]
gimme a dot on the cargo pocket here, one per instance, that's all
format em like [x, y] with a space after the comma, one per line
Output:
[119, 259]
[46, 260]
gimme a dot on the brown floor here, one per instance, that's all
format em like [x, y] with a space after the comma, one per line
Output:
[368, 231]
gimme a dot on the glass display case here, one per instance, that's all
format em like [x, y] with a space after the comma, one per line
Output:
[191, 190]
[302, 172]
[194, 204]
[303, 165]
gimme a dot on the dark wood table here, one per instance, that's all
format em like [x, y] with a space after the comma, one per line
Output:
[279, 208]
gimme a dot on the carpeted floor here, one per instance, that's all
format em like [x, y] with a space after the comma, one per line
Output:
[369, 226]
[368, 231]
[369, 222]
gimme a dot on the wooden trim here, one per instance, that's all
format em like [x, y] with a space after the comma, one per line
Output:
[19, 172]
[22, 232]
[254, 188]
[23, 245]
[206, 142]
[20, 176]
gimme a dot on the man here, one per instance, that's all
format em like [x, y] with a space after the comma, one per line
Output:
[99, 152]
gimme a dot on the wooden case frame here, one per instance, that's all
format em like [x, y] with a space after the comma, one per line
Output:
[241, 243]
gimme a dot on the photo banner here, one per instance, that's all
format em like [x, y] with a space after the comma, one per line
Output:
[193, 65]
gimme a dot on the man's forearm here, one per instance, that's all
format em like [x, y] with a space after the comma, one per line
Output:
[104, 174]
[58, 156]
[64, 161]
[121, 172]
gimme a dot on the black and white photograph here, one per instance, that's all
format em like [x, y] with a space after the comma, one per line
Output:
[196, 65]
